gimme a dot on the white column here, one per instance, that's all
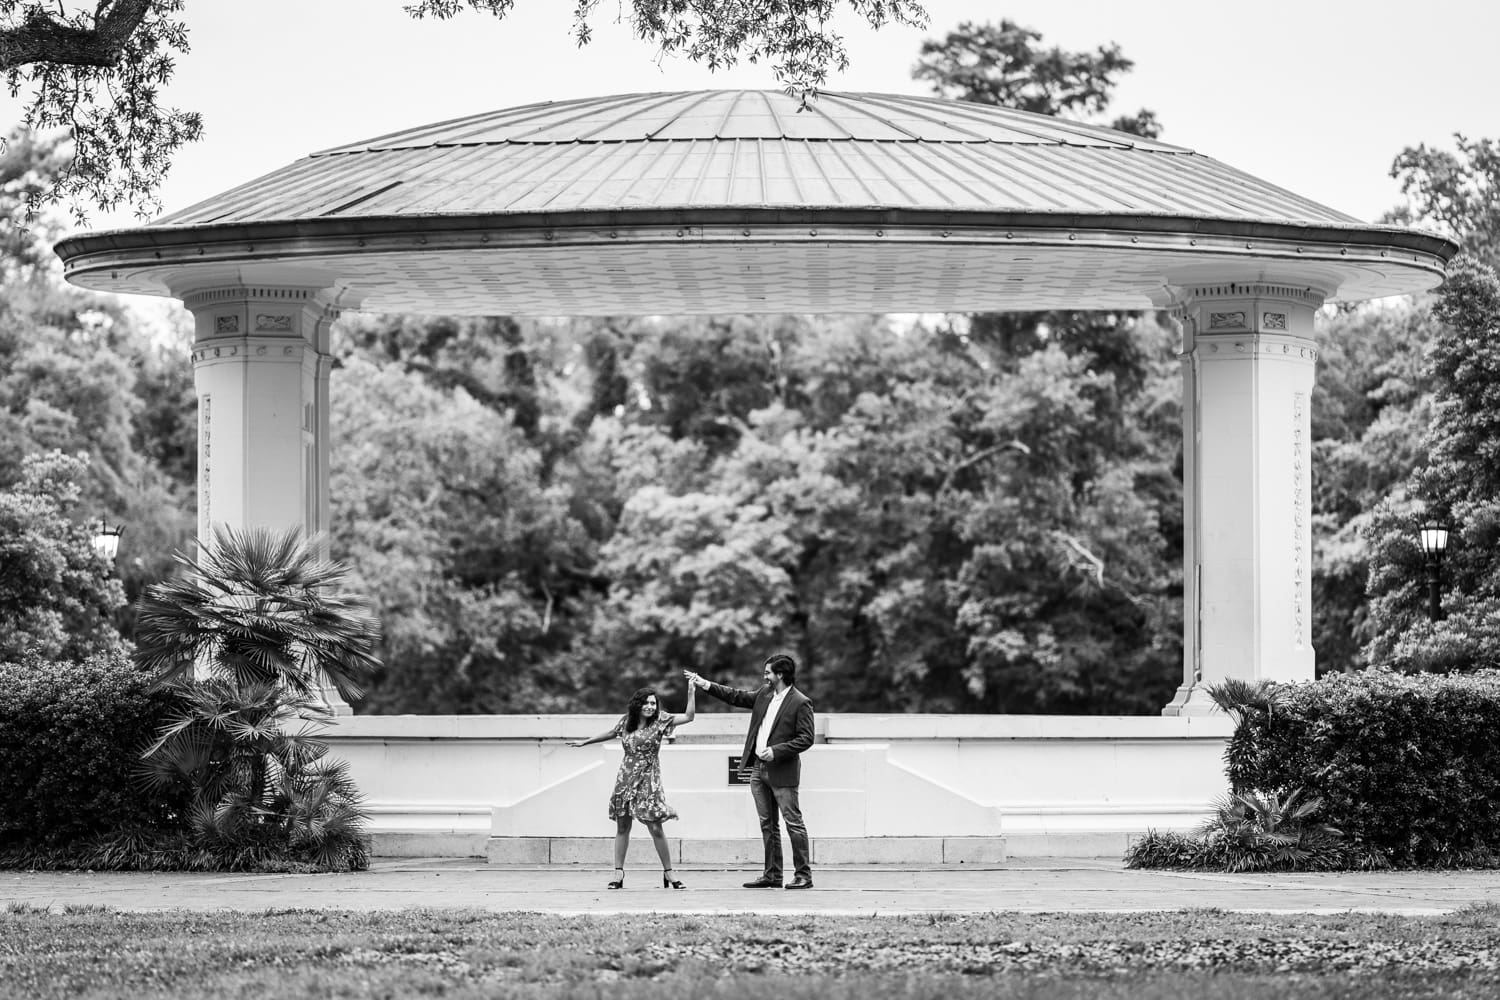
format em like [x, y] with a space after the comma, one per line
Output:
[1248, 363]
[260, 364]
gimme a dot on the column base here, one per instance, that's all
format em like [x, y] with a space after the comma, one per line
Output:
[1191, 700]
[335, 701]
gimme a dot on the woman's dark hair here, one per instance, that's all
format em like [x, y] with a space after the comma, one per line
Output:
[633, 711]
[784, 667]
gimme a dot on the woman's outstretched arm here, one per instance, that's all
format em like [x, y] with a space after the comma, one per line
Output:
[692, 707]
[608, 734]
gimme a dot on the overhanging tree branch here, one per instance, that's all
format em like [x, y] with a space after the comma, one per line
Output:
[97, 67]
[42, 37]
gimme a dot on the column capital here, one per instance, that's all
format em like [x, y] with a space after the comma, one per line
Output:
[1244, 320]
[267, 311]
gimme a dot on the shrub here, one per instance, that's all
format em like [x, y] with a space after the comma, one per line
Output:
[1407, 766]
[71, 738]
[1250, 832]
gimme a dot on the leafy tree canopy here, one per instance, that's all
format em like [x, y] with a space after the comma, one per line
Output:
[1459, 481]
[79, 373]
[1457, 192]
[56, 594]
[1004, 64]
[97, 68]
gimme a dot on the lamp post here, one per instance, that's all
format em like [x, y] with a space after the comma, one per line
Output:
[107, 540]
[1434, 538]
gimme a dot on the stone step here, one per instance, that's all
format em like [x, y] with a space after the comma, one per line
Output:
[825, 850]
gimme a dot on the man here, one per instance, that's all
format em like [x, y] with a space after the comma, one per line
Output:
[781, 728]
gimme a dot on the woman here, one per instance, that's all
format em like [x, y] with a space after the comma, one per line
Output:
[638, 793]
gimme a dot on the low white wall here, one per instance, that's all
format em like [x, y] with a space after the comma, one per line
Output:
[1046, 784]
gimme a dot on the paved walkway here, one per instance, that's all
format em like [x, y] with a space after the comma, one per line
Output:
[1024, 885]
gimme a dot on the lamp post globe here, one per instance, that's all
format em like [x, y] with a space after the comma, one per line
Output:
[1433, 536]
[106, 540]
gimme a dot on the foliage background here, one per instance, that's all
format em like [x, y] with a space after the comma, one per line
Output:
[951, 513]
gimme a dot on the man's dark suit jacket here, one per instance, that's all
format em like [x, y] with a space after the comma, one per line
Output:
[791, 732]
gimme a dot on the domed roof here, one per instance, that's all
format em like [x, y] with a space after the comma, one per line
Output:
[754, 150]
[744, 201]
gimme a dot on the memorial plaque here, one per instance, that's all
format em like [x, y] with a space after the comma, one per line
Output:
[736, 776]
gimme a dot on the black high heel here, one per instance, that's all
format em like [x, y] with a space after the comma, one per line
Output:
[618, 883]
[667, 882]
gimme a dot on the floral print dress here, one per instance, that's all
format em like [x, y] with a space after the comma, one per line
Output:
[638, 790]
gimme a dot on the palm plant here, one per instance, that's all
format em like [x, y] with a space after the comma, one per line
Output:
[1251, 831]
[258, 606]
[1247, 703]
[259, 790]
[1234, 696]
[247, 637]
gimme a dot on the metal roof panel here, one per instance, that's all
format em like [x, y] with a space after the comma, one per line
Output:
[753, 149]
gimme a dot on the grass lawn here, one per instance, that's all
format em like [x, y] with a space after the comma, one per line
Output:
[95, 952]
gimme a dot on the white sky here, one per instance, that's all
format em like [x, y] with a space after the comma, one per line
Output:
[1315, 95]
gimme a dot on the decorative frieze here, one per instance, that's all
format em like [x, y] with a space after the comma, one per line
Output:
[205, 463]
[1256, 289]
[1258, 345]
[245, 348]
[1299, 518]
[244, 293]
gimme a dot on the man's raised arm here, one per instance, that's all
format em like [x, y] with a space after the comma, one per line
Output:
[730, 696]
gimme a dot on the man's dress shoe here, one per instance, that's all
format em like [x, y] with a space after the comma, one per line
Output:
[763, 883]
[800, 883]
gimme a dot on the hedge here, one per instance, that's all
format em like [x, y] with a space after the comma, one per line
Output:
[71, 738]
[1407, 765]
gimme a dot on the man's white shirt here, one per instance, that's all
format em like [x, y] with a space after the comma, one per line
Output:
[766, 723]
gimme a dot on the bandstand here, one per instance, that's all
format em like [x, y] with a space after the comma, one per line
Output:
[739, 202]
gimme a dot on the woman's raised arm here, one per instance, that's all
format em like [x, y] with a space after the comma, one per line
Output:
[692, 707]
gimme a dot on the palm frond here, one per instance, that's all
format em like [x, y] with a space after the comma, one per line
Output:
[1235, 695]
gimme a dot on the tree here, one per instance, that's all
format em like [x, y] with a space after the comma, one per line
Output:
[1371, 406]
[96, 69]
[1107, 476]
[1458, 193]
[80, 373]
[477, 563]
[1373, 409]
[929, 533]
[1003, 65]
[57, 597]
[1459, 481]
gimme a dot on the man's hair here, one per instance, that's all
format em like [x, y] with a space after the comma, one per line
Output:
[784, 667]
